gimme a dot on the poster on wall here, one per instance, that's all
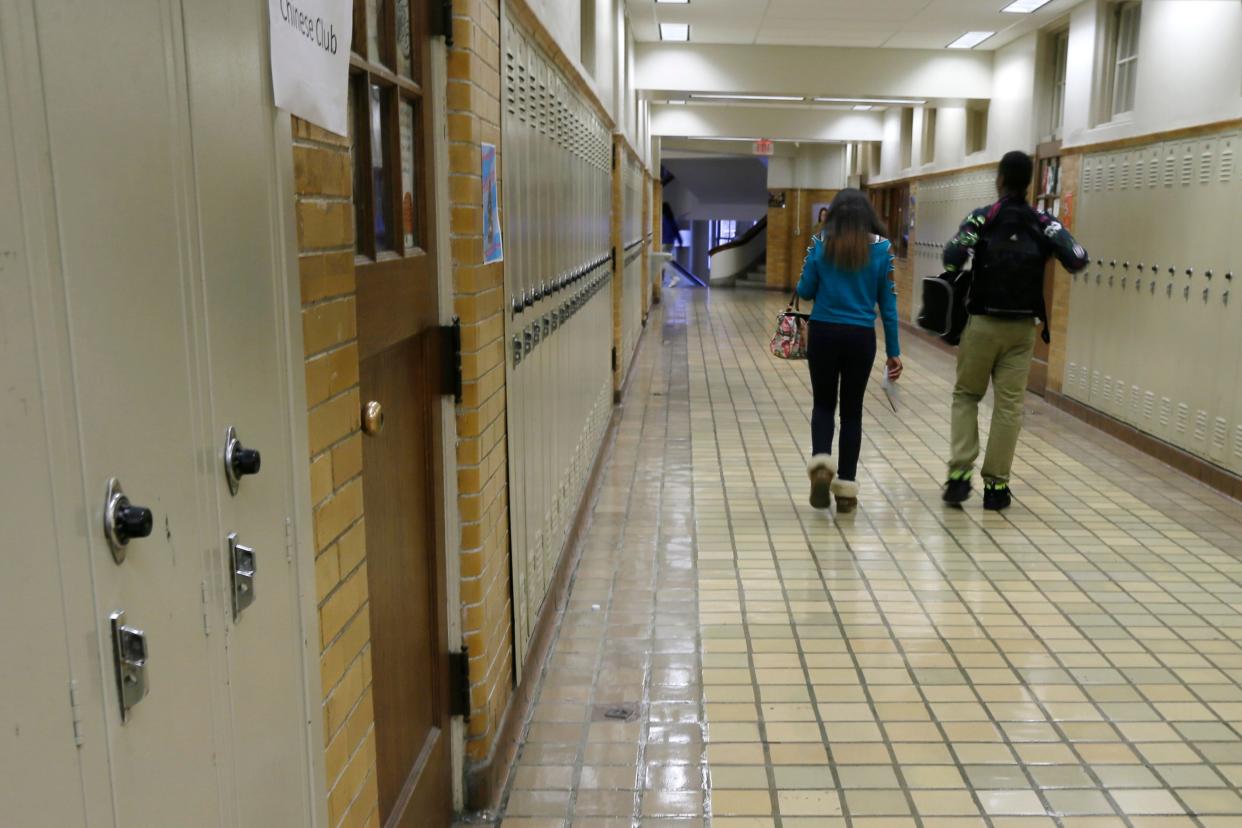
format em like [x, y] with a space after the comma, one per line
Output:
[310, 60]
[819, 214]
[493, 248]
[776, 199]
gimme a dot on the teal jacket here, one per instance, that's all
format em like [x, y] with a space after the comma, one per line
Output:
[843, 298]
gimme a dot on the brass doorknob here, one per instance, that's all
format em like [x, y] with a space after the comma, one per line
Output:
[372, 418]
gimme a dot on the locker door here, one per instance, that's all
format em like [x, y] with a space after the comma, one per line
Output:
[1077, 331]
[1126, 345]
[1225, 199]
[39, 760]
[1148, 324]
[1230, 173]
[1183, 313]
[122, 195]
[241, 181]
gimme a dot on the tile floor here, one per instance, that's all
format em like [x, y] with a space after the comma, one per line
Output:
[732, 657]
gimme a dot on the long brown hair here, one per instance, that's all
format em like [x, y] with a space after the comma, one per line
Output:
[848, 230]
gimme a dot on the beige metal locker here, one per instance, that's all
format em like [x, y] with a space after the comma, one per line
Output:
[155, 205]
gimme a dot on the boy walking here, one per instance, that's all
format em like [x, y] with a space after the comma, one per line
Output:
[1011, 243]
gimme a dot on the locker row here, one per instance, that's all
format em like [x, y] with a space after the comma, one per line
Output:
[1153, 320]
[557, 178]
[940, 206]
[631, 294]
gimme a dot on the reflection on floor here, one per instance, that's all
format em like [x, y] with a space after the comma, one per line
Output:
[732, 657]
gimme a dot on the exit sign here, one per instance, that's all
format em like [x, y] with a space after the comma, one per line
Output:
[763, 147]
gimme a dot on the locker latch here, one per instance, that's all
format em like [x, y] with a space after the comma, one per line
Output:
[242, 562]
[129, 656]
[450, 356]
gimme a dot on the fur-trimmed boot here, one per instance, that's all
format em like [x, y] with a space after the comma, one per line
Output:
[821, 470]
[846, 493]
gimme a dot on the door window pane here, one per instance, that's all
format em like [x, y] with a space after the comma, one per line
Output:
[355, 162]
[375, 25]
[380, 194]
[409, 154]
[404, 59]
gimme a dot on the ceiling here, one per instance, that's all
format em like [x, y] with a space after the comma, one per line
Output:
[895, 24]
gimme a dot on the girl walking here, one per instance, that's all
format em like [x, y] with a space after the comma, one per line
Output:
[848, 272]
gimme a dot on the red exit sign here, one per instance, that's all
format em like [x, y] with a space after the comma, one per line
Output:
[763, 147]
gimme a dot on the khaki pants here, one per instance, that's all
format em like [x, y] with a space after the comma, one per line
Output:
[1000, 351]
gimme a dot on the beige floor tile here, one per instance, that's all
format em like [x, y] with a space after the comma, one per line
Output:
[809, 803]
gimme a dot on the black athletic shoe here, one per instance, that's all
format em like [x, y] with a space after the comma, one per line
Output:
[957, 490]
[996, 496]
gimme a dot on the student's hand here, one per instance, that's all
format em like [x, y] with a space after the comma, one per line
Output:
[894, 368]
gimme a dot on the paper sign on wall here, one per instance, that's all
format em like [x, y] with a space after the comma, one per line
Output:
[310, 59]
[493, 247]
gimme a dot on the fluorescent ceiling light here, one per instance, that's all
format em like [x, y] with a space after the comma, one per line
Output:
[970, 40]
[714, 97]
[676, 102]
[863, 107]
[898, 101]
[683, 2]
[674, 31]
[1016, 7]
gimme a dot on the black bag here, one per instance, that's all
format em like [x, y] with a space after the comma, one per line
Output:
[1009, 265]
[944, 305]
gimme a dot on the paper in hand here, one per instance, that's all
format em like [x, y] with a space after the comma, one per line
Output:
[890, 390]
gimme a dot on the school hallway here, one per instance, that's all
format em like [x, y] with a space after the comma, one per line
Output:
[729, 656]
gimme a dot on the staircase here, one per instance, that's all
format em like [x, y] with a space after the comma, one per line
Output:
[756, 277]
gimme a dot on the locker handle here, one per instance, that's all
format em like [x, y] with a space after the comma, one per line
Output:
[1207, 273]
[1205, 293]
[1229, 276]
[1190, 271]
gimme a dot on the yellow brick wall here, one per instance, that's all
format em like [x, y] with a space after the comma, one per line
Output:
[779, 228]
[323, 183]
[657, 230]
[474, 73]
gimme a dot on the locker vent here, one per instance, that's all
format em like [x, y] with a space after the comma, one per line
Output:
[1226, 163]
[1149, 405]
[1136, 400]
[1071, 375]
[1095, 384]
[1220, 434]
[1153, 171]
[1205, 166]
[1123, 182]
[1183, 417]
[1201, 426]
[1188, 168]
[1237, 441]
[1112, 174]
[1166, 411]
[1170, 170]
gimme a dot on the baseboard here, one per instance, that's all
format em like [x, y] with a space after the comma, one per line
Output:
[485, 782]
[1207, 473]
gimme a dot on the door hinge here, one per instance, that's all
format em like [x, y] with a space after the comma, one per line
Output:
[459, 683]
[450, 355]
[75, 708]
[446, 22]
[614, 360]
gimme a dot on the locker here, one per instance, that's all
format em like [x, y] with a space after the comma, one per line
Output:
[556, 210]
[160, 276]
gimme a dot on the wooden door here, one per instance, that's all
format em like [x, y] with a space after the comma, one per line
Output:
[400, 352]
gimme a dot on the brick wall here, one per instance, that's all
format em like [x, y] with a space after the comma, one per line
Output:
[903, 269]
[323, 183]
[657, 231]
[778, 244]
[789, 235]
[474, 73]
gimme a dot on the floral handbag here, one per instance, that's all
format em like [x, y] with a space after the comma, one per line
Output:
[790, 340]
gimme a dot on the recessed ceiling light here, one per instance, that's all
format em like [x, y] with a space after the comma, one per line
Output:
[718, 138]
[677, 102]
[714, 97]
[863, 107]
[674, 31]
[1016, 7]
[970, 40]
[684, 2]
[898, 101]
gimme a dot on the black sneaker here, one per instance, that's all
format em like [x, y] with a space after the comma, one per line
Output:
[957, 490]
[996, 496]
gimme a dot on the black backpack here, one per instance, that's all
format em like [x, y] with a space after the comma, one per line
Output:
[944, 305]
[1009, 265]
